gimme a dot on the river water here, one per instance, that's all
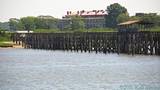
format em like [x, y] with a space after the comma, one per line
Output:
[27, 69]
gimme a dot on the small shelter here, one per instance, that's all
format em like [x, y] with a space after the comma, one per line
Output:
[134, 26]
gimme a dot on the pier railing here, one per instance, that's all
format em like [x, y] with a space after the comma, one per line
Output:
[147, 43]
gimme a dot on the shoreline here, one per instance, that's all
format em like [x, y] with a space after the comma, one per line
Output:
[9, 44]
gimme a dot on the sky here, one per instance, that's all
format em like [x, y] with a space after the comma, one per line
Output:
[58, 8]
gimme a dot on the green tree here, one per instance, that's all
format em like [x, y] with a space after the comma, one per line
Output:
[4, 25]
[123, 17]
[114, 10]
[29, 23]
[13, 24]
[46, 23]
[20, 25]
[77, 23]
[51, 23]
[74, 23]
[155, 19]
[134, 18]
[39, 23]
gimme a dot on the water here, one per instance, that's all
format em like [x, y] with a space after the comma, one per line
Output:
[27, 69]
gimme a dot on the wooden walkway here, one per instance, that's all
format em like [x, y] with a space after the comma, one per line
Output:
[146, 43]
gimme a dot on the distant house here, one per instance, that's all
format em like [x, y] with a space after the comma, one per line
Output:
[92, 19]
[134, 26]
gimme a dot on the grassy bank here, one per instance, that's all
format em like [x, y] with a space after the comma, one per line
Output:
[5, 40]
[6, 44]
[101, 30]
[46, 30]
[155, 29]
[72, 31]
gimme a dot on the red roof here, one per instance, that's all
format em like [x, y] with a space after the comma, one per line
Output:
[88, 13]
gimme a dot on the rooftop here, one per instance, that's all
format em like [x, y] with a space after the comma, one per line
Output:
[134, 22]
[87, 13]
[129, 22]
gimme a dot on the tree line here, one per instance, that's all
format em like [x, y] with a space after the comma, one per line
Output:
[116, 14]
[31, 23]
[46, 22]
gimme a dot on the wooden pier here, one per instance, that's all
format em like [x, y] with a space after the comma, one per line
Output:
[146, 43]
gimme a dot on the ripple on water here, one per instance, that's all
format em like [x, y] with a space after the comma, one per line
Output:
[27, 69]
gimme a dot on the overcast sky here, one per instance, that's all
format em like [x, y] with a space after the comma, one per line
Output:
[58, 8]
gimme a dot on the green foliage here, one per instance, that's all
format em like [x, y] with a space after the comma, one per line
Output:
[4, 36]
[13, 25]
[155, 19]
[51, 23]
[46, 30]
[16, 24]
[4, 25]
[28, 22]
[72, 31]
[101, 30]
[67, 27]
[96, 30]
[55, 31]
[122, 18]
[155, 29]
[114, 11]
[77, 23]
[20, 26]
[134, 18]
[116, 14]
[43, 23]
[4, 44]
[31, 23]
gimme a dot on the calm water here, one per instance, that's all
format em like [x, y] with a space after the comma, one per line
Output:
[26, 69]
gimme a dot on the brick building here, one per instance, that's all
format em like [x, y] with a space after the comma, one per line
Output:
[92, 19]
